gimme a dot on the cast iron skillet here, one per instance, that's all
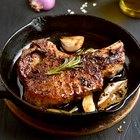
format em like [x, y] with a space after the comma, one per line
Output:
[98, 33]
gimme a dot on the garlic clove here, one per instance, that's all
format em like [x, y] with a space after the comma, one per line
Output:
[72, 43]
[88, 103]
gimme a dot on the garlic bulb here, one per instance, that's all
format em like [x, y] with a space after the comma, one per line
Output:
[38, 5]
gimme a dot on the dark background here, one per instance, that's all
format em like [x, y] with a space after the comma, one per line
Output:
[16, 13]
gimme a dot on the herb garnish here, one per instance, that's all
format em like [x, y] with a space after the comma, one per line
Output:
[73, 63]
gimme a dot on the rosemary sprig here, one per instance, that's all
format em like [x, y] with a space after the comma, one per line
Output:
[63, 111]
[73, 63]
[83, 51]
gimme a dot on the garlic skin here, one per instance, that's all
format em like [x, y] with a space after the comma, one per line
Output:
[38, 5]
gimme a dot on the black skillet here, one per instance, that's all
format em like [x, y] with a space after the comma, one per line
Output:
[98, 33]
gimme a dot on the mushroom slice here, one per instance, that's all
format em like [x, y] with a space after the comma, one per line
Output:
[112, 94]
[72, 43]
[88, 103]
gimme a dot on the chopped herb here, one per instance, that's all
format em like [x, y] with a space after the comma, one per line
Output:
[82, 51]
[74, 109]
[120, 129]
[63, 111]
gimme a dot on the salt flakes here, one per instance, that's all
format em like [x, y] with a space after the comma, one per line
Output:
[82, 8]
[94, 4]
[84, 11]
[124, 122]
[70, 12]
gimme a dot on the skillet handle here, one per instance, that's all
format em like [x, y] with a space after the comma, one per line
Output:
[4, 93]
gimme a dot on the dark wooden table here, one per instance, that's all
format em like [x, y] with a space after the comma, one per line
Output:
[15, 14]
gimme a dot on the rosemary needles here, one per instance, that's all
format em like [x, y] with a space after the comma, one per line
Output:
[73, 63]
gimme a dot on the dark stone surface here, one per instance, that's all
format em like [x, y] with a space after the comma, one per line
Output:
[14, 15]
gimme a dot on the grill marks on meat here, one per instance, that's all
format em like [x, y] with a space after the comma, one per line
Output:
[43, 90]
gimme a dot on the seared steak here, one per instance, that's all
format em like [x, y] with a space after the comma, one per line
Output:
[45, 90]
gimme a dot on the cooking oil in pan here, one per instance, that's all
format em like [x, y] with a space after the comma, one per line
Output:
[19, 88]
[78, 103]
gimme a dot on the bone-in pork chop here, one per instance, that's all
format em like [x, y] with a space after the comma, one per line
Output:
[45, 90]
